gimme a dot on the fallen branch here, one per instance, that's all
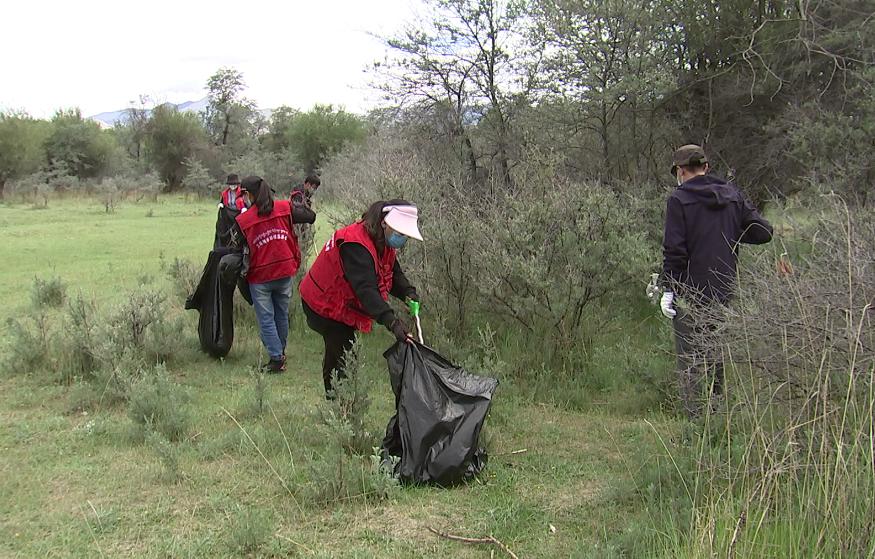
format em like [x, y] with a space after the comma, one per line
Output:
[487, 540]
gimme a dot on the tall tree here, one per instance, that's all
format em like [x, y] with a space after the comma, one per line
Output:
[174, 137]
[77, 144]
[132, 129]
[605, 60]
[229, 116]
[318, 134]
[21, 146]
[459, 63]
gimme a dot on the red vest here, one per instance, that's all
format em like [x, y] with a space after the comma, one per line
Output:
[325, 289]
[233, 198]
[273, 247]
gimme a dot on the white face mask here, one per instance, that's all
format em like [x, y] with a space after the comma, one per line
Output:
[680, 180]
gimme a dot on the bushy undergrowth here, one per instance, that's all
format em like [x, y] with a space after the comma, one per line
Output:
[85, 341]
[785, 465]
[50, 292]
[542, 261]
[158, 404]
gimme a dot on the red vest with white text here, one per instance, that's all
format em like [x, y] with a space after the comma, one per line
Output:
[273, 247]
[325, 288]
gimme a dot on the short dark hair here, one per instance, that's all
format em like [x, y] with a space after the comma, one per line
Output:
[261, 192]
[312, 179]
[373, 218]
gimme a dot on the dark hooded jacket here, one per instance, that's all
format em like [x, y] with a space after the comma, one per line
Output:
[706, 219]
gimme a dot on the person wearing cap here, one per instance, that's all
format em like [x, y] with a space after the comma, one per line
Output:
[706, 218]
[349, 283]
[232, 196]
[271, 259]
[232, 203]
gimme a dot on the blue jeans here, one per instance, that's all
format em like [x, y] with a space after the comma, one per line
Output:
[271, 302]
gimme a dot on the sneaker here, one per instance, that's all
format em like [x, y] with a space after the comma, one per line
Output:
[275, 366]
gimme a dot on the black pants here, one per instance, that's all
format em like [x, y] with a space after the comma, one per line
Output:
[699, 362]
[338, 338]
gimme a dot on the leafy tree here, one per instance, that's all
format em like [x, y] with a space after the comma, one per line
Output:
[275, 139]
[197, 178]
[79, 144]
[173, 138]
[460, 62]
[316, 135]
[21, 146]
[132, 130]
[229, 118]
[606, 67]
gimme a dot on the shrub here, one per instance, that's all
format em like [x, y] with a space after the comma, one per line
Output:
[80, 343]
[166, 452]
[50, 292]
[157, 403]
[345, 413]
[184, 275]
[27, 344]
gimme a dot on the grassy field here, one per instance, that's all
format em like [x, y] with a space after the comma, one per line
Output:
[258, 472]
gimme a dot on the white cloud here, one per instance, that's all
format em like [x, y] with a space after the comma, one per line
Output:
[100, 55]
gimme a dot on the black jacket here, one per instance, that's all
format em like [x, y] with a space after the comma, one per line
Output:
[705, 220]
[359, 271]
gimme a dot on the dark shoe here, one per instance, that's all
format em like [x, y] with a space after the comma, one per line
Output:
[276, 366]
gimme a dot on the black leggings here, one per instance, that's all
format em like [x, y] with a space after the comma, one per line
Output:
[338, 338]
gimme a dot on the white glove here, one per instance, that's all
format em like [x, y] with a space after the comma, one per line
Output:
[666, 305]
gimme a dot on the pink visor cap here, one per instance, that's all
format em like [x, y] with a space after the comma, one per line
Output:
[403, 220]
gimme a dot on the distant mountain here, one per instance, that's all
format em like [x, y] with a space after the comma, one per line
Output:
[111, 118]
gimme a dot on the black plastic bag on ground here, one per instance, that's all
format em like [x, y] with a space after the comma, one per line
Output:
[213, 299]
[439, 412]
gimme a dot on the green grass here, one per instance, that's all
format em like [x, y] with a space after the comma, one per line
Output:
[75, 480]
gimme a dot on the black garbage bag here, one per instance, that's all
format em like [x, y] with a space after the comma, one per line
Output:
[224, 223]
[214, 299]
[439, 412]
[229, 273]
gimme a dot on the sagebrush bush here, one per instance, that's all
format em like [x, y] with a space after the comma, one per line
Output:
[142, 324]
[166, 452]
[80, 347]
[157, 403]
[50, 292]
[183, 274]
[27, 346]
[345, 413]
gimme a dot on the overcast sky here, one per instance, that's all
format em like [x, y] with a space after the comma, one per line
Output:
[100, 55]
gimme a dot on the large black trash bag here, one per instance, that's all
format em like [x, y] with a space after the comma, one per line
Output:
[439, 411]
[214, 299]
[224, 223]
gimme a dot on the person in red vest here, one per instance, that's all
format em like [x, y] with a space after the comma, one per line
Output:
[271, 259]
[233, 202]
[350, 281]
[232, 196]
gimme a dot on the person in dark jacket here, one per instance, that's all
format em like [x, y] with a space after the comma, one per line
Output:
[303, 195]
[705, 221]
[271, 259]
[351, 279]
